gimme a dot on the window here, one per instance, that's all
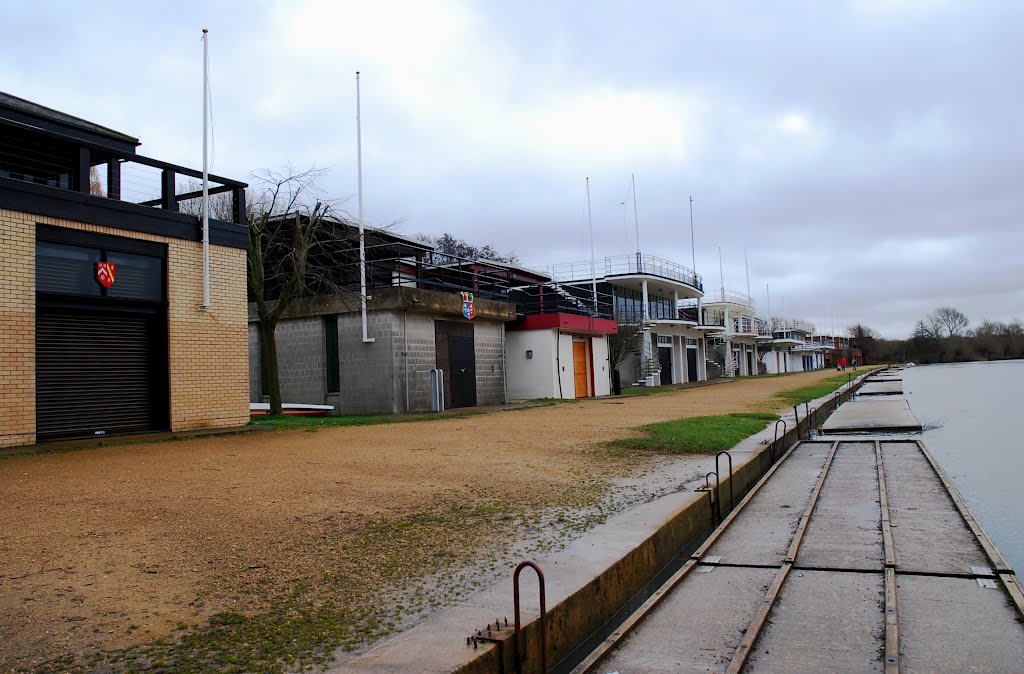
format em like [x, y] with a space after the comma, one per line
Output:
[331, 360]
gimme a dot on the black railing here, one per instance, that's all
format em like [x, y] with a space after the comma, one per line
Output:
[550, 298]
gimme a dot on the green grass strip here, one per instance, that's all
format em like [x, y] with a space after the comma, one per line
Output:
[698, 435]
[290, 422]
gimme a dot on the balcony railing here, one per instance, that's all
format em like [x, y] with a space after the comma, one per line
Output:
[730, 296]
[29, 157]
[622, 265]
[715, 317]
[550, 298]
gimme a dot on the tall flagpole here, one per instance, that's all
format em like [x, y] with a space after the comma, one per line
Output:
[636, 220]
[206, 175]
[362, 233]
[593, 265]
[746, 261]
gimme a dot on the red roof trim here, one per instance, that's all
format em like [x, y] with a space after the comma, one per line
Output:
[569, 322]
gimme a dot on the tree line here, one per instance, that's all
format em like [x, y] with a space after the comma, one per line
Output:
[943, 336]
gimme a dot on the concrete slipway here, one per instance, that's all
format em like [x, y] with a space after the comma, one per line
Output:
[853, 555]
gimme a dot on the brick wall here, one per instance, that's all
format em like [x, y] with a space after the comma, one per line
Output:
[17, 329]
[209, 357]
[208, 354]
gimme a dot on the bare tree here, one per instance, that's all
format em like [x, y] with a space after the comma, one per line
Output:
[221, 204]
[626, 341]
[450, 246]
[950, 319]
[294, 239]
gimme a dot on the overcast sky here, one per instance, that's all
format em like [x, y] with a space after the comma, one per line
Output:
[867, 157]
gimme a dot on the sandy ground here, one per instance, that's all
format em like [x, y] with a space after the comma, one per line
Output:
[105, 547]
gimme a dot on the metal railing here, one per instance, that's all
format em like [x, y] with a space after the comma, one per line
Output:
[724, 295]
[120, 176]
[621, 265]
[550, 298]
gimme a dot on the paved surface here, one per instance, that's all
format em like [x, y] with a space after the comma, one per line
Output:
[872, 416]
[880, 387]
[879, 578]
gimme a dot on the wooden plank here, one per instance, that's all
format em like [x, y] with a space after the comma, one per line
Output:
[892, 624]
[883, 500]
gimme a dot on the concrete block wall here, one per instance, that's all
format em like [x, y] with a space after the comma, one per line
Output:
[490, 362]
[208, 352]
[17, 329]
[254, 362]
[419, 358]
[368, 382]
[301, 360]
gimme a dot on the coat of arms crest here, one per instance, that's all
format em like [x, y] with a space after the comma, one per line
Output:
[105, 273]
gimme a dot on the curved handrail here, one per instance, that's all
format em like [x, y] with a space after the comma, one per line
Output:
[732, 501]
[785, 429]
[543, 617]
[716, 506]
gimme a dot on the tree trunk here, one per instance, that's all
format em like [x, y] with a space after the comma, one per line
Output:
[268, 337]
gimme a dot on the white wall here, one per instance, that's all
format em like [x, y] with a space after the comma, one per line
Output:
[531, 377]
[565, 371]
[602, 373]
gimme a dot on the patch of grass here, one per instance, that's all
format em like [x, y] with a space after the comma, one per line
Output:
[287, 421]
[698, 435]
[796, 396]
[646, 390]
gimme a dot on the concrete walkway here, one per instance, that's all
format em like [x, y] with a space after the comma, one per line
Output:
[872, 416]
[854, 556]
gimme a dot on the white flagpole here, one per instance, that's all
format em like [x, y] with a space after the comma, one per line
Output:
[593, 265]
[362, 233]
[206, 176]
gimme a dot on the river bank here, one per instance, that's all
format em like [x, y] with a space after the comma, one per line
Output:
[276, 546]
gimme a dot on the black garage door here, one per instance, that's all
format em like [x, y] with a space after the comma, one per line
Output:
[94, 375]
[101, 348]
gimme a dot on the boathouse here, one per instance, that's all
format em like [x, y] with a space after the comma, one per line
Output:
[103, 326]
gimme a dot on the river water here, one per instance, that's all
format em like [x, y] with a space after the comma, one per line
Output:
[972, 414]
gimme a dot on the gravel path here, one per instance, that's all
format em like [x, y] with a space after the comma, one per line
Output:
[106, 547]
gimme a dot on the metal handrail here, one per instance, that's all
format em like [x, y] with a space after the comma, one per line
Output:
[517, 642]
[716, 506]
[732, 502]
[785, 429]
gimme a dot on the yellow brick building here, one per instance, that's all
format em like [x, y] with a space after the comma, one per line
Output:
[102, 331]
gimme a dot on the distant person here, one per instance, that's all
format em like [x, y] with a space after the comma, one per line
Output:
[854, 363]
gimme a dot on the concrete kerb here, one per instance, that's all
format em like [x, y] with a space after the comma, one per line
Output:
[586, 615]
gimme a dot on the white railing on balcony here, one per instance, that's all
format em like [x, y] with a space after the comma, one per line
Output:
[618, 265]
[791, 324]
[731, 296]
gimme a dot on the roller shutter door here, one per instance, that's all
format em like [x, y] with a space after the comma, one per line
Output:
[95, 374]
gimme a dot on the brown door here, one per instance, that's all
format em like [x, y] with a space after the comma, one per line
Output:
[456, 356]
[579, 368]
